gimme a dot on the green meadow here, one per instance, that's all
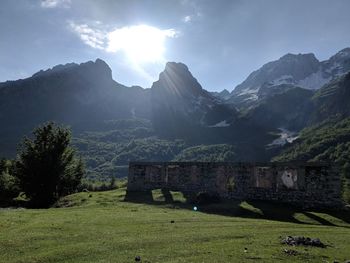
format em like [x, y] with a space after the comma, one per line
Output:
[161, 227]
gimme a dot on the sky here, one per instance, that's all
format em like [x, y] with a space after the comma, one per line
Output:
[220, 41]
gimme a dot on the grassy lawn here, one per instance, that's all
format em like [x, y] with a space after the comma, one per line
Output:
[102, 227]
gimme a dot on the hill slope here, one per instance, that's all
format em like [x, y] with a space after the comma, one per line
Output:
[328, 141]
[82, 96]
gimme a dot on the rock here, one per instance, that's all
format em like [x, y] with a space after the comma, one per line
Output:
[303, 241]
[290, 252]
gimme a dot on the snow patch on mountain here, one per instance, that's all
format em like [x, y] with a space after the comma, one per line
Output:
[252, 97]
[284, 79]
[220, 124]
[285, 136]
[248, 91]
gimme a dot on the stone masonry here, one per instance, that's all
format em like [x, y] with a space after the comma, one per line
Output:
[302, 184]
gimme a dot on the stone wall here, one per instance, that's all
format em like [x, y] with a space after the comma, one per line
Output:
[302, 184]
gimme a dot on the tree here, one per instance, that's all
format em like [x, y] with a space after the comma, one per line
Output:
[9, 187]
[46, 166]
[112, 183]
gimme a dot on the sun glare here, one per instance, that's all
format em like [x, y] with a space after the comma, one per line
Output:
[141, 44]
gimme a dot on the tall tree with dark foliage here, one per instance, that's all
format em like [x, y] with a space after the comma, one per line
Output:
[47, 166]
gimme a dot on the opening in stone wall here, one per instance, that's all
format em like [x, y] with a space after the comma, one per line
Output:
[172, 172]
[288, 179]
[263, 177]
[155, 174]
[230, 183]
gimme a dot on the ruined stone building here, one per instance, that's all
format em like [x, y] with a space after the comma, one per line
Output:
[302, 184]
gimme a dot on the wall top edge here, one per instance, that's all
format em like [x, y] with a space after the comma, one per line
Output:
[270, 164]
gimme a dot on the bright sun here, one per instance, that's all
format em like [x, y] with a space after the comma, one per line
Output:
[141, 44]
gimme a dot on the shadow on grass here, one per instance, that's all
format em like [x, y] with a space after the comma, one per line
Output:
[242, 208]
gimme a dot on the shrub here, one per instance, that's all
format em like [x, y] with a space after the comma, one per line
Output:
[9, 185]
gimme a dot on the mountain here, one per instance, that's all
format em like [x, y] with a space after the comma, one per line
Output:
[302, 70]
[295, 108]
[289, 110]
[180, 105]
[223, 95]
[332, 100]
[81, 96]
[177, 119]
[338, 64]
[113, 124]
[71, 93]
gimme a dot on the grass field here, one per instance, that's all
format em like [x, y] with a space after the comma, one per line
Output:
[102, 227]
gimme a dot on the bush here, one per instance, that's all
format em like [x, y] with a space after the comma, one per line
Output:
[9, 185]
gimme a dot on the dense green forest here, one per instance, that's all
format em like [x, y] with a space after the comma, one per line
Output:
[107, 153]
[208, 153]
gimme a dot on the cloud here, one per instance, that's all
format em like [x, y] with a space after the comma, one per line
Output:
[55, 3]
[92, 37]
[191, 18]
[139, 43]
[193, 9]
[187, 19]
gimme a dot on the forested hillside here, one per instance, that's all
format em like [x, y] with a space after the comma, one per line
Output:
[328, 141]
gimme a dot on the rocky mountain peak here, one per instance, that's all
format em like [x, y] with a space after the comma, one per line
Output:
[99, 68]
[342, 54]
[96, 69]
[224, 94]
[289, 69]
[298, 66]
[177, 66]
[340, 57]
[299, 57]
[181, 105]
[338, 64]
[178, 80]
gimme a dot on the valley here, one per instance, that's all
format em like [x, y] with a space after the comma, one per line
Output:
[113, 124]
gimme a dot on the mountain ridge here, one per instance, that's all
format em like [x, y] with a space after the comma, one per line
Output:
[300, 70]
[113, 124]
